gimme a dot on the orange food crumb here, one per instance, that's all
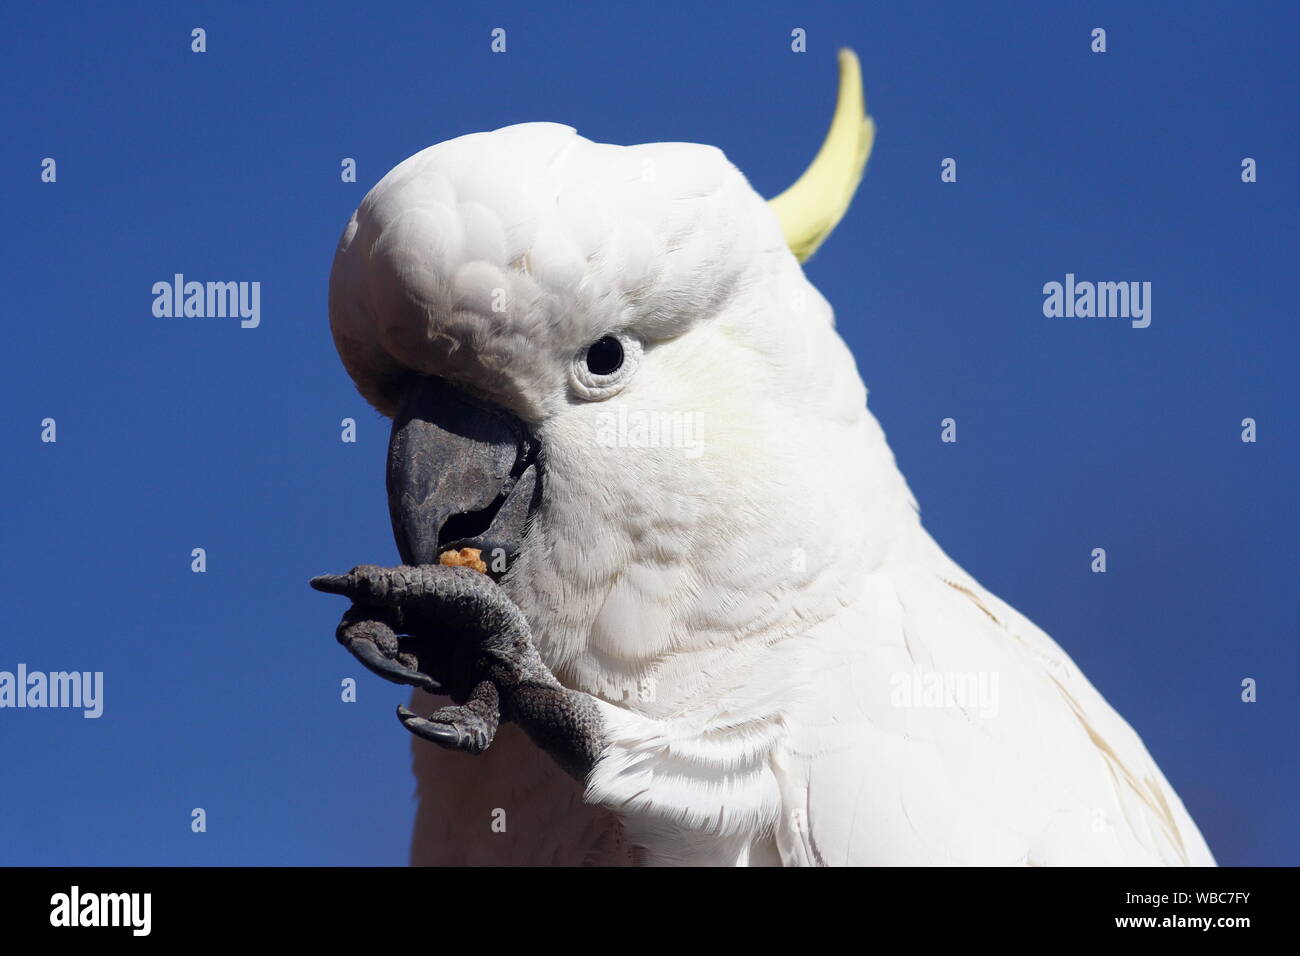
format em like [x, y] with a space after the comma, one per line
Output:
[464, 558]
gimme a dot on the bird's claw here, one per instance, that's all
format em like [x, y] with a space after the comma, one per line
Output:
[462, 626]
[469, 727]
[370, 636]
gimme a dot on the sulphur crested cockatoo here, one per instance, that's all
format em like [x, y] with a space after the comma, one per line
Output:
[712, 629]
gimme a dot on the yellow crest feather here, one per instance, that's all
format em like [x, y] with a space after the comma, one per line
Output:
[817, 201]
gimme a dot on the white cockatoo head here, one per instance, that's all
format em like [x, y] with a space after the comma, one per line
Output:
[606, 366]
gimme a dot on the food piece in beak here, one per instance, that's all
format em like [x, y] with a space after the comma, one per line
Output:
[464, 558]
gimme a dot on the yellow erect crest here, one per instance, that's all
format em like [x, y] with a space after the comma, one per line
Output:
[817, 201]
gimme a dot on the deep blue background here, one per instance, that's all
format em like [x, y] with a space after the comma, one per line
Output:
[223, 688]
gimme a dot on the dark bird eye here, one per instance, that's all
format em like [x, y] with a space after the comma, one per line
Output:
[605, 357]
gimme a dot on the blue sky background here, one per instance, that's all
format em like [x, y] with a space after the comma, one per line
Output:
[222, 689]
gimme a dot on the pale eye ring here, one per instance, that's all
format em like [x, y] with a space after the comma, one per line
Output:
[601, 369]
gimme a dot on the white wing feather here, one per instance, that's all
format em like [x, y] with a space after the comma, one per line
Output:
[1048, 775]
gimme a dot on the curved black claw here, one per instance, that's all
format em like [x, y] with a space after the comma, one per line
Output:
[369, 635]
[469, 727]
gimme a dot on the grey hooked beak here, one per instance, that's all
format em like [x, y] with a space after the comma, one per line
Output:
[461, 474]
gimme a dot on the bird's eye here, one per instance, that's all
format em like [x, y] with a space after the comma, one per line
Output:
[604, 367]
[605, 357]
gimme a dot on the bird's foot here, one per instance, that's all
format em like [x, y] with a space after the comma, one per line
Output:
[466, 638]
